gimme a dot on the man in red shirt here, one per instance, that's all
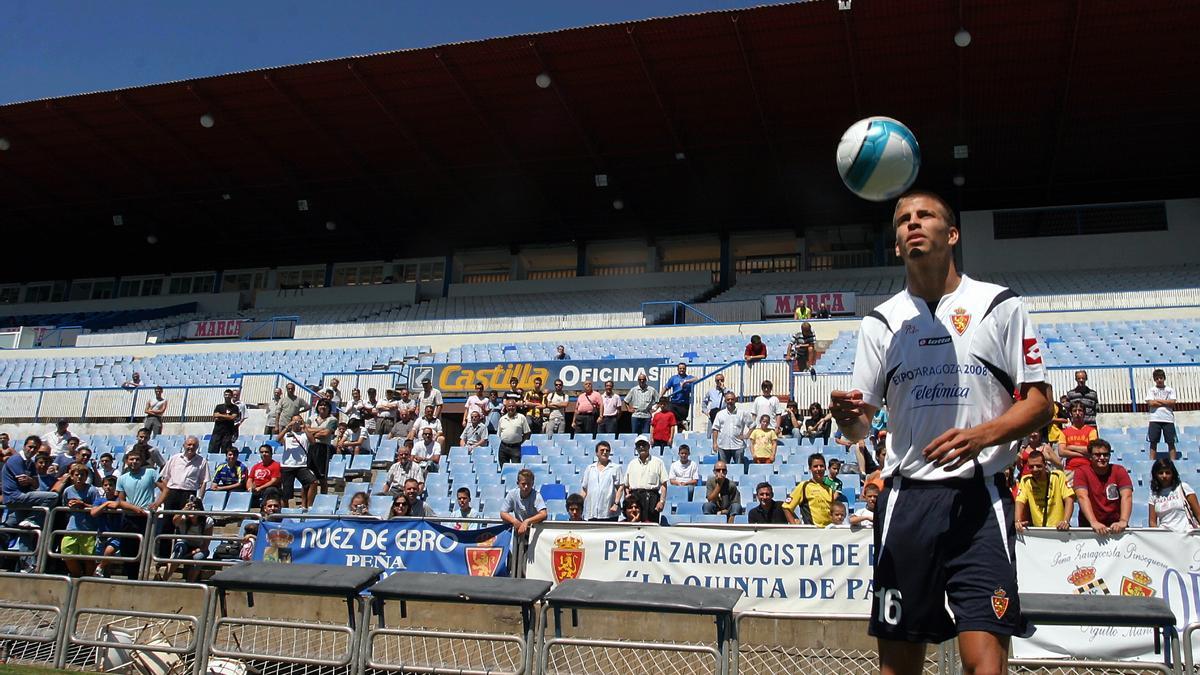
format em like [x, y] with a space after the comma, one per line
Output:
[1073, 448]
[263, 476]
[662, 425]
[1104, 491]
[756, 350]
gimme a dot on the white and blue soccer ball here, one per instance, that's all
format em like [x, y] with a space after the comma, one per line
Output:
[878, 158]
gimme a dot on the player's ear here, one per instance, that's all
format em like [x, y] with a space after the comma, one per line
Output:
[953, 235]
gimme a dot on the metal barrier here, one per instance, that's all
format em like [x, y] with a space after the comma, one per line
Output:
[31, 617]
[155, 535]
[35, 551]
[48, 551]
[116, 624]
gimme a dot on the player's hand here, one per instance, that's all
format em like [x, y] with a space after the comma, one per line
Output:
[1101, 529]
[1118, 527]
[953, 448]
[1063, 526]
[846, 406]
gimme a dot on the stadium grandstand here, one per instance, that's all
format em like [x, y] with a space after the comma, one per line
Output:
[358, 229]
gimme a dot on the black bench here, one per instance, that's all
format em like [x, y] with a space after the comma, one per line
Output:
[1106, 610]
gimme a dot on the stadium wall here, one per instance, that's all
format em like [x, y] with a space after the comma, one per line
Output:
[649, 280]
[214, 303]
[400, 294]
[1176, 245]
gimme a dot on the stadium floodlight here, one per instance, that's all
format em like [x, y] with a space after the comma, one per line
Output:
[601, 180]
[963, 37]
[4, 144]
[844, 5]
[207, 121]
[959, 180]
[618, 204]
[330, 225]
[118, 220]
[151, 239]
[542, 80]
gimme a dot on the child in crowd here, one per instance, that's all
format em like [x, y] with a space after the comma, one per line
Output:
[109, 514]
[832, 481]
[359, 505]
[575, 506]
[80, 496]
[865, 517]
[764, 441]
[249, 541]
[837, 515]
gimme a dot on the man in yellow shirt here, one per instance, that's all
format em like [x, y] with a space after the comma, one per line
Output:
[812, 496]
[1045, 498]
[802, 312]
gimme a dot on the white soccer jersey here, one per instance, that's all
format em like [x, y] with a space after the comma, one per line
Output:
[955, 368]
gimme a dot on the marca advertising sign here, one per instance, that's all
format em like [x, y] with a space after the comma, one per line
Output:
[784, 304]
[461, 377]
[213, 330]
[393, 546]
[801, 570]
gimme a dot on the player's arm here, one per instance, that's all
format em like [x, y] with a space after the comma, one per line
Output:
[853, 415]
[956, 447]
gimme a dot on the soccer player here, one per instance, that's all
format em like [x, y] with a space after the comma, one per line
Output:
[958, 364]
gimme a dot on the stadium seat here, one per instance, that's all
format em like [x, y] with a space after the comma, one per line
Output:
[238, 502]
[324, 505]
[553, 491]
[380, 505]
[214, 500]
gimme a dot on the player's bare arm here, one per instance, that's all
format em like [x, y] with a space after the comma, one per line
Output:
[852, 414]
[956, 447]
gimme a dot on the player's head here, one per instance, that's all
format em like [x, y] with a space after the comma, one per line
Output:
[925, 226]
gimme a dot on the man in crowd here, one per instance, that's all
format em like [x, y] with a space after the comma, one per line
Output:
[417, 507]
[1044, 498]
[385, 410]
[335, 394]
[729, 431]
[812, 497]
[403, 470]
[1073, 448]
[646, 480]
[1160, 401]
[679, 388]
[1085, 395]
[587, 410]
[802, 312]
[225, 419]
[274, 407]
[640, 402]
[429, 420]
[610, 409]
[560, 353]
[58, 436]
[1104, 492]
[134, 382]
[184, 476]
[802, 350]
[477, 401]
[714, 399]
[556, 410]
[264, 476]
[241, 410]
[533, 404]
[320, 433]
[289, 406]
[768, 511]
[156, 410]
[756, 350]
[683, 470]
[230, 476]
[475, 433]
[22, 491]
[721, 493]
[296, 439]
[430, 397]
[513, 432]
[428, 452]
[154, 456]
[523, 506]
[601, 486]
[767, 403]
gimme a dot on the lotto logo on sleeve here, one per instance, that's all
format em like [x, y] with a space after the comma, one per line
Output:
[1033, 353]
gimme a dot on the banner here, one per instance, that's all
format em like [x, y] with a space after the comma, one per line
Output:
[800, 570]
[393, 546]
[213, 330]
[785, 304]
[1155, 563]
[460, 378]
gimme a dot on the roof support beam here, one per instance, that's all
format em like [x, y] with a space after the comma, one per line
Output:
[758, 107]
[662, 107]
[557, 88]
[853, 61]
[1060, 120]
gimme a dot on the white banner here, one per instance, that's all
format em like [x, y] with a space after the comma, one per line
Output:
[784, 304]
[213, 330]
[801, 570]
[1155, 563]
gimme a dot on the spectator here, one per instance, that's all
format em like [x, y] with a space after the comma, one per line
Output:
[289, 406]
[399, 508]
[359, 505]
[249, 541]
[184, 476]
[334, 394]
[406, 417]
[683, 470]
[513, 432]
[241, 411]
[264, 476]
[58, 436]
[402, 470]
[385, 412]
[560, 353]
[1044, 497]
[1173, 502]
[556, 410]
[1104, 491]
[535, 398]
[730, 429]
[225, 419]
[601, 486]
[756, 350]
[802, 350]
[1085, 395]
[495, 410]
[1073, 448]
[135, 487]
[134, 382]
[875, 476]
[430, 397]
[109, 516]
[812, 497]
[1034, 441]
[6, 450]
[427, 452]
[721, 496]
[714, 399]
[802, 311]
[320, 434]
[679, 389]
[155, 410]
[663, 424]
[63, 461]
[832, 481]
[417, 506]
[274, 407]
[475, 433]
[631, 510]
[791, 422]
[818, 424]
[356, 440]
[80, 496]
[646, 480]
[823, 311]
[154, 456]
[837, 516]
[764, 441]
[866, 515]
[767, 403]
[429, 420]
[523, 506]
[463, 508]
[640, 403]
[1062, 417]
[106, 467]
[1160, 401]
[230, 476]
[477, 401]
[610, 409]
[294, 462]
[587, 410]
[575, 507]
[190, 524]
[879, 421]
[272, 504]
[768, 511]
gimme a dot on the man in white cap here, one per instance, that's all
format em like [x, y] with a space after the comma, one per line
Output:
[646, 481]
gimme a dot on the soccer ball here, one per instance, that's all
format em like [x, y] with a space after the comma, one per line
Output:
[878, 158]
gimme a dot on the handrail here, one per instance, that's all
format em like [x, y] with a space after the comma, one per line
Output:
[294, 318]
[675, 304]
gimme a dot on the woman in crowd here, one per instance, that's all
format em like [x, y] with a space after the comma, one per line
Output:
[359, 505]
[400, 508]
[1173, 502]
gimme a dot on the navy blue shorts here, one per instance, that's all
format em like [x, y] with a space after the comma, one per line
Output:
[945, 544]
[1161, 430]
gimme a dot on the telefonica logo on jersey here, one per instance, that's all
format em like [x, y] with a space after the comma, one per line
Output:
[939, 392]
[934, 341]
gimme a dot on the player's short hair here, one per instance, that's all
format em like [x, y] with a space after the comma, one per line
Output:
[947, 210]
[1098, 443]
[815, 456]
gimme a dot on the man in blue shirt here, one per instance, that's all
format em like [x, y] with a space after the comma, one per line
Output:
[21, 490]
[679, 387]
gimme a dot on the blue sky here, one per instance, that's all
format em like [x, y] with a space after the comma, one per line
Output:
[54, 48]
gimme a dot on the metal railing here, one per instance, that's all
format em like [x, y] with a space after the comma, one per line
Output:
[677, 309]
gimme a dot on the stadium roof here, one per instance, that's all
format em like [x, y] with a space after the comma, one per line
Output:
[707, 122]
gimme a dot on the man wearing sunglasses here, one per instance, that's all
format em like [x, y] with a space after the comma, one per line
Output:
[1104, 491]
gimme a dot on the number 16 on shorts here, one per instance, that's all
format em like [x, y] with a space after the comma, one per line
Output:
[888, 610]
